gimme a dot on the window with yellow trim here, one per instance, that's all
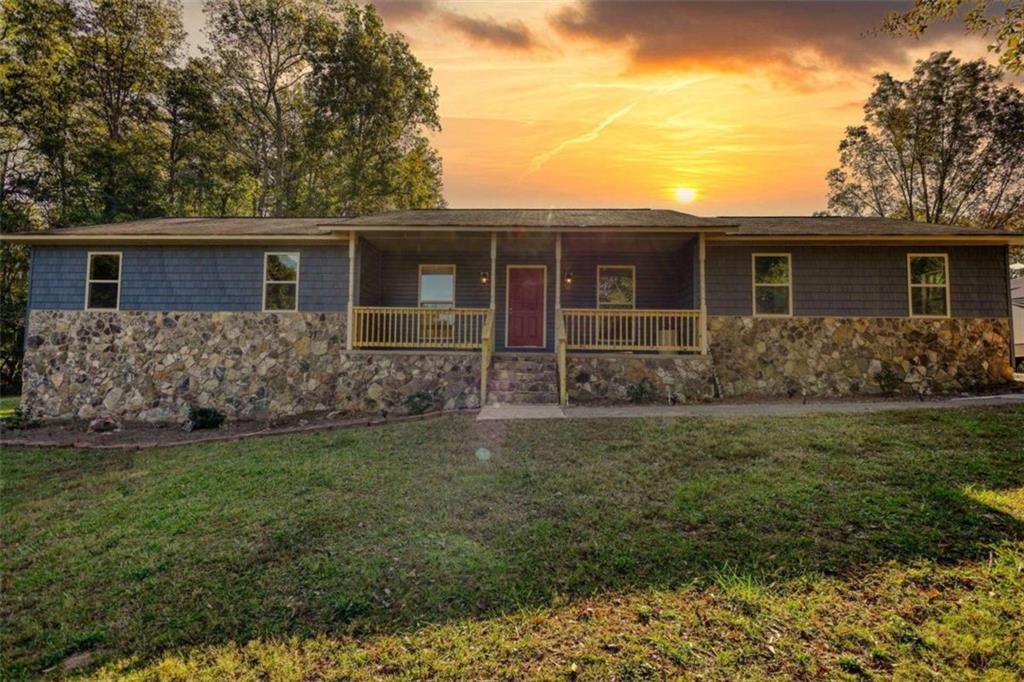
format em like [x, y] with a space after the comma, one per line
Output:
[616, 286]
[773, 284]
[281, 281]
[929, 285]
[103, 281]
[437, 286]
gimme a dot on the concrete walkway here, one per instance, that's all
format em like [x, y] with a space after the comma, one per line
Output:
[761, 409]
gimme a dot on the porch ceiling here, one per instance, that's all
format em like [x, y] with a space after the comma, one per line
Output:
[411, 242]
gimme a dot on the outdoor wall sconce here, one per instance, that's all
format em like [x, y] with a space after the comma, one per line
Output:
[568, 279]
[484, 278]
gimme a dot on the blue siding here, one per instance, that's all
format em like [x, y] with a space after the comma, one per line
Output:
[189, 278]
[57, 278]
[858, 281]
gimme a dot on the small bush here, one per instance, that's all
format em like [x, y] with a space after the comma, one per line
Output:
[888, 379]
[19, 419]
[642, 392]
[419, 402]
[205, 417]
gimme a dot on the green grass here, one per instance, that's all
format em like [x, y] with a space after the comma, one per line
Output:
[8, 405]
[834, 546]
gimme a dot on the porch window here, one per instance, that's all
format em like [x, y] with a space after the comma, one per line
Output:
[929, 284]
[773, 285]
[103, 281]
[437, 286]
[616, 286]
[281, 281]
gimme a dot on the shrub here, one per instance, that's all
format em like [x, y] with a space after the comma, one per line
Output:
[19, 419]
[888, 379]
[642, 392]
[419, 402]
[205, 418]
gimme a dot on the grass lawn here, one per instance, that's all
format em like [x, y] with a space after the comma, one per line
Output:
[832, 546]
[8, 405]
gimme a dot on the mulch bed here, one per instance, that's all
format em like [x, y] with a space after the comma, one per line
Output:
[139, 435]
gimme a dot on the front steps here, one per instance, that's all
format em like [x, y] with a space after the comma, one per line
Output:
[529, 379]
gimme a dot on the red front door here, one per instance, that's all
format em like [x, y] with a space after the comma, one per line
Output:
[526, 307]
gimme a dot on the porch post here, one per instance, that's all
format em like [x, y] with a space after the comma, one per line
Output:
[703, 298]
[349, 316]
[558, 272]
[494, 260]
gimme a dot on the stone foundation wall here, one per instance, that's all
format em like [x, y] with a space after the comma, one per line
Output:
[605, 378]
[831, 356]
[152, 366]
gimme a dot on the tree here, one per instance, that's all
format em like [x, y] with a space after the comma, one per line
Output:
[205, 173]
[371, 102]
[259, 46]
[125, 51]
[332, 108]
[943, 147]
[1005, 24]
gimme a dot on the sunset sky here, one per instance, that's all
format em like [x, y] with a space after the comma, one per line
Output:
[715, 108]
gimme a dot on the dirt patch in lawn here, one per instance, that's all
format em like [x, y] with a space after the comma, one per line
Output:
[137, 435]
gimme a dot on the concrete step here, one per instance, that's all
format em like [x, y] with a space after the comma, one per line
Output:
[522, 397]
[523, 380]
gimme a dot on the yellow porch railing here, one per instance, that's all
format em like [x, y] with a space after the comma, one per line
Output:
[486, 353]
[561, 342]
[450, 328]
[632, 330]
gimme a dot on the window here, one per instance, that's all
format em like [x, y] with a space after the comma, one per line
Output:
[281, 281]
[773, 285]
[437, 286]
[616, 286]
[929, 284]
[103, 281]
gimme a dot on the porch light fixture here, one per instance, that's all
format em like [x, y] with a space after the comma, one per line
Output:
[484, 278]
[568, 279]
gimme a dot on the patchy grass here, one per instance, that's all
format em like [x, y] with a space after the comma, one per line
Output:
[835, 546]
[8, 405]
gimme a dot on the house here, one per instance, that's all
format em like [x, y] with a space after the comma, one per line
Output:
[270, 316]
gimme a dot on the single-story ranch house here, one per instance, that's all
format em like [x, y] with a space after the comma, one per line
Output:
[274, 316]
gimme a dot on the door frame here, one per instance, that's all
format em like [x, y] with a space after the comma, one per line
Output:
[544, 301]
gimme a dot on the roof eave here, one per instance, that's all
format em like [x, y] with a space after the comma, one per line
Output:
[341, 229]
[80, 239]
[992, 239]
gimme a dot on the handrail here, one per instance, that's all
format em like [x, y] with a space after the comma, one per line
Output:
[406, 327]
[632, 330]
[562, 343]
[486, 353]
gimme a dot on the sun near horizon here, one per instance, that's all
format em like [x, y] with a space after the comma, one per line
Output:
[729, 108]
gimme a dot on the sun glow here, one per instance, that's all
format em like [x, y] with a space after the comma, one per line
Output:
[685, 195]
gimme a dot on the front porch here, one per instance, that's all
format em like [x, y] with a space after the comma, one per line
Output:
[553, 295]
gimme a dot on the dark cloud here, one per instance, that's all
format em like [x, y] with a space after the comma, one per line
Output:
[513, 35]
[510, 35]
[397, 10]
[745, 35]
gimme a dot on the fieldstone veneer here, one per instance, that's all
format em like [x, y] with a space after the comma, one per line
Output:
[605, 378]
[153, 365]
[832, 356]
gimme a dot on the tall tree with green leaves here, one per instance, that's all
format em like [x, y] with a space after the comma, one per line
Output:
[125, 51]
[943, 146]
[1002, 21]
[372, 102]
[259, 47]
[205, 173]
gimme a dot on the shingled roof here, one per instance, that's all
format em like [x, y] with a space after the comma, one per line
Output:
[840, 226]
[323, 229]
[561, 218]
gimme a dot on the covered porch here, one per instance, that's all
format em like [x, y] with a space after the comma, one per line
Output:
[527, 293]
